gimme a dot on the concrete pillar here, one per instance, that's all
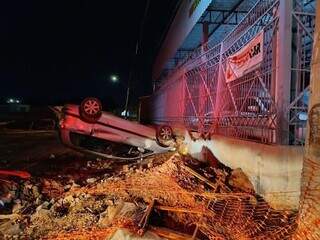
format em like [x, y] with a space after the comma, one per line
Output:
[283, 70]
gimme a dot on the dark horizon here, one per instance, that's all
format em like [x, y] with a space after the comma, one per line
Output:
[62, 51]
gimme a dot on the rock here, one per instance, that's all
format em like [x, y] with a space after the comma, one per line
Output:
[41, 214]
[121, 234]
[38, 208]
[38, 200]
[125, 168]
[35, 191]
[74, 185]
[68, 199]
[67, 187]
[122, 209]
[150, 164]
[45, 205]
[91, 180]
[208, 156]
[16, 207]
[10, 228]
[239, 179]
[110, 202]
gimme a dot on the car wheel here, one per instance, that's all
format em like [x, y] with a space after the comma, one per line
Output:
[90, 109]
[164, 135]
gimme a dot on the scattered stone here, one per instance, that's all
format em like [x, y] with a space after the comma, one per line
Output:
[10, 228]
[209, 157]
[125, 168]
[67, 187]
[35, 191]
[91, 180]
[17, 206]
[122, 234]
[68, 199]
[150, 164]
[121, 209]
[45, 205]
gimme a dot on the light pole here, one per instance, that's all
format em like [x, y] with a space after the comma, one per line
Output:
[115, 79]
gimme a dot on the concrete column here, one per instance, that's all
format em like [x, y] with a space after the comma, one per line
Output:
[283, 70]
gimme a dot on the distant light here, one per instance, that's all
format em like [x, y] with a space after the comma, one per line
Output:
[303, 116]
[123, 113]
[13, 100]
[114, 78]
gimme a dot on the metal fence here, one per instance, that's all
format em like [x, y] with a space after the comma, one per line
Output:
[197, 95]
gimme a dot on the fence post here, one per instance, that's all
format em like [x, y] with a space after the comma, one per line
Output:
[220, 85]
[283, 70]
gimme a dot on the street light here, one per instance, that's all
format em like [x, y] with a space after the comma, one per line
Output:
[114, 78]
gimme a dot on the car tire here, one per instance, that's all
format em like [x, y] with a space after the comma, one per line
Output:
[164, 135]
[90, 109]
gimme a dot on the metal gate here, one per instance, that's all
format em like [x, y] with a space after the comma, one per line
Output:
[197, 95]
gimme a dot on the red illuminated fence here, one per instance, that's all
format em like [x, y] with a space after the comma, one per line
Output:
[232, 88]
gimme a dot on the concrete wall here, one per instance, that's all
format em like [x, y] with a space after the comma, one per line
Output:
[275, 171]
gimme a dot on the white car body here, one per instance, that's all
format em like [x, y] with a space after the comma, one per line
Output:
[111, 128]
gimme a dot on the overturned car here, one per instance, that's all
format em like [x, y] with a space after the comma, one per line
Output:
[89, 129]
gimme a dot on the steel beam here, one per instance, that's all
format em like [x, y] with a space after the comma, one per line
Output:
[226, 16]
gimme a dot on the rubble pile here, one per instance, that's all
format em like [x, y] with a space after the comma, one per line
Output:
[166, 196]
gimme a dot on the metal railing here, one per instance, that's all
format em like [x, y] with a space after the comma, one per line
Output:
[197, 95]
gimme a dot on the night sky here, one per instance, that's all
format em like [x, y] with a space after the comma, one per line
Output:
[54, 52]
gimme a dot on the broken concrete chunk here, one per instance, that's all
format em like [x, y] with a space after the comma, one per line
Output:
[125, 168]
[67, 187]
[122, 209]
[239, 179]
[16, 207]
[124, 234]
[68, 200]
[150, 164]
[10, 228]
[209, 157]
[91, 180]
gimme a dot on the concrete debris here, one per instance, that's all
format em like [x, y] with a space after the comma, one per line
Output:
[238, 179]
[91, 180]
[121, 210]
[166, 195]
[124, 234]
[10, 229]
